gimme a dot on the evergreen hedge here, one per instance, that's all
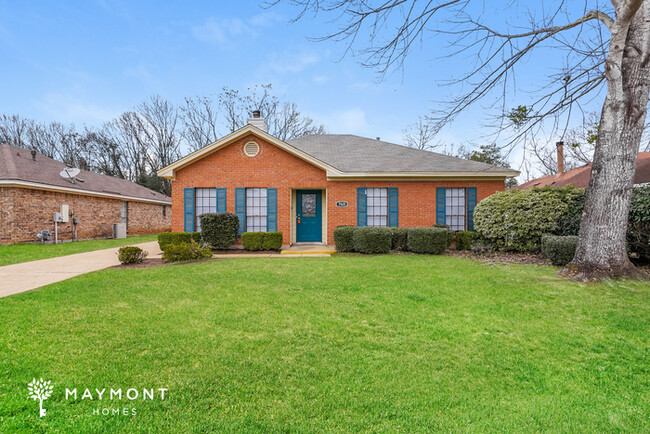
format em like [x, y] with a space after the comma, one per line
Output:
[464, 239]
[255, 241]
[428, 240]
[559, 249]
[372, 240]
[168, 238]
[343, 238]
[219, 230]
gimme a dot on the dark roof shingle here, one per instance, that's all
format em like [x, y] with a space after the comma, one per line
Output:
[17, 164]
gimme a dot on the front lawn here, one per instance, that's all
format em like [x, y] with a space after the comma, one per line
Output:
[16, 253]
[348, 343]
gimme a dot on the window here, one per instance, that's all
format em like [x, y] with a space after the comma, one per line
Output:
[164, 209]
[125, 212]
[205, 201]
[455, 208]
[256, 210]
[377, 206]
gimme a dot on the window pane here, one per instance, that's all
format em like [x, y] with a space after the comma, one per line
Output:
[256, 210]
[455, 208]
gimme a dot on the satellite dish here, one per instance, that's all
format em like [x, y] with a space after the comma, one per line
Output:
[69, 173]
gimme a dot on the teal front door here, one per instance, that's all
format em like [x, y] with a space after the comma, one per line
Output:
[309, 222]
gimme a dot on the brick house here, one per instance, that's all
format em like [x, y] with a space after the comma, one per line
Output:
[32, 190]
[308, 186]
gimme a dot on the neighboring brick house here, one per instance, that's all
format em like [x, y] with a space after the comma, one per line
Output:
[308, 186]
[32, 190]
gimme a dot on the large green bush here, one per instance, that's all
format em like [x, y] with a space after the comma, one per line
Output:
[638, 232]
[464, 239]
[255, 241]
[185, 252]
[517, 219]
[559, 249]
[131, 255]
[343, 238]
[219, 230]
[400, 239]
[167, 238]
[427, 240]
[372, 240]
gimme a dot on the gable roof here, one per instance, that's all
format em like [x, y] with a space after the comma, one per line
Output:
[348, 156]
[579, 177]
[18, 168]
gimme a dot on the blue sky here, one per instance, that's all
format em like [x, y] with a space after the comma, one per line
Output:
[85, 62]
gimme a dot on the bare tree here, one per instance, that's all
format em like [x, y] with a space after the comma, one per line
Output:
[606, 48]
[287, 123]
[201, 121]
[420, 135]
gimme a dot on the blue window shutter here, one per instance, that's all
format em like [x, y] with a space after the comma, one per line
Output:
[441, 205]
[221, 200]
[271, 209]
[188, 209]
[471, 204]
[362, 200]
[393, 207]
[240, 209]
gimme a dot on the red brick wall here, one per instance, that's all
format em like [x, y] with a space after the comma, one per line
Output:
[275, 168]
[24, 212]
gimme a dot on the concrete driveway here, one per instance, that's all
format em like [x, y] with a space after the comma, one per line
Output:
[26, 276]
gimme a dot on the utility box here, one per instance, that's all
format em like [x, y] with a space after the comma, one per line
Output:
[119, 230]
[65, 213]
[58, 217]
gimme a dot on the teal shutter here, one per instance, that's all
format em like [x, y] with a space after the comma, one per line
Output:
[471, 204]
[441, 205]
[362, 200]
[221, 200]
[271, 209]
[240, 209]
[188, 209]
[393, 207]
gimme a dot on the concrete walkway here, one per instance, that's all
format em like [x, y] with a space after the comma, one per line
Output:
[26, 276]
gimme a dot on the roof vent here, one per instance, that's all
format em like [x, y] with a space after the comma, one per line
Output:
[251, 149]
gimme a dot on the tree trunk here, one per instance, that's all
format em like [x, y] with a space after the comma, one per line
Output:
[601, 250]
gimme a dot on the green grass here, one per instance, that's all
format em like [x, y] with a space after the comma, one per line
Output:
[348, 343]
[16, 253]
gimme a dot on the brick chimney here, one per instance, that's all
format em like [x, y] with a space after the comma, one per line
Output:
[560, 157]
[257, 121]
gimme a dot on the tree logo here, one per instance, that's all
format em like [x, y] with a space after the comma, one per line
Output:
[40, 390]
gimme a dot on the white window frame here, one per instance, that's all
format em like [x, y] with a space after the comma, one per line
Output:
[377, 207]
[456, 208]
[205, 201]
[256, 210]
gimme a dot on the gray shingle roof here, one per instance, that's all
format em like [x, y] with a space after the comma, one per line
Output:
[17, 164]
[350, 153]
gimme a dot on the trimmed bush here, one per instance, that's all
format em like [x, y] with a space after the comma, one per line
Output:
[428, 240]
[372, 240]
[517, 219]
[559, 249]
[400, 239]
[638, 232]
[185, 252]
[219, 229]
[131, 255]
[480, 247]
[167, 238]
[464, 239]
[343, 238]
[272, 241]
[255, 241]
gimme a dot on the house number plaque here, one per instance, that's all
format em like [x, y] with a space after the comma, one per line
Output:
[342, 204]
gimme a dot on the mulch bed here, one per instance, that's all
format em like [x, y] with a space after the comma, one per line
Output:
[245, 252]
[502, 257]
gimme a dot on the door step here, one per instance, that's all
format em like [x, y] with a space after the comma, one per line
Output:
[308, 249]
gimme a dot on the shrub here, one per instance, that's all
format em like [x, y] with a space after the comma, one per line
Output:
[167, 238]
[464, 239]
[569, 223]
[252, 240]
[255, 241]
[131, 255]
[372, 240]
[480, 247]
[559, 249]
[272, 241]
[428, 240]
[638, 236]
[343, 238]
[185, 252]
[517, 219]
[219, 229]
[400, 239]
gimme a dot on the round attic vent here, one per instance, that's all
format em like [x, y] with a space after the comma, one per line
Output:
[251, 149]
